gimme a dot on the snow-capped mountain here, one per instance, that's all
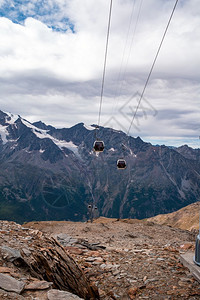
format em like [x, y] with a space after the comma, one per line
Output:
[48, 173]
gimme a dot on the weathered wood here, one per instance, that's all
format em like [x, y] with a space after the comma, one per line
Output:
[50, 261]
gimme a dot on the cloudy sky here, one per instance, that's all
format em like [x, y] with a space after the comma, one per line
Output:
[52, 55]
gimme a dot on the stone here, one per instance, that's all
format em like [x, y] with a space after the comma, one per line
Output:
[26, 251]
[145, 278]
[9, 253]
[187, 246]
[132, 292]
[6, 270]
[90, 259]
[160, 259]
[65, 239]
[38, 285]
[10, 295]
[61, 295]
[74, 250]
[10, 284]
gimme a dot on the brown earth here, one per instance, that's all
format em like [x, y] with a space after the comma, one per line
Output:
[124, 259]
[141, 260]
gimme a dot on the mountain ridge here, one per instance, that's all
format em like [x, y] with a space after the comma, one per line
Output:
[52, 173]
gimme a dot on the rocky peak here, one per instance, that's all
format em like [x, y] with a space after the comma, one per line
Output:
[189, 152]
[42, 125]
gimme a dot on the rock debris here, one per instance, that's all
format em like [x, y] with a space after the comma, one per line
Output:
[123, 259]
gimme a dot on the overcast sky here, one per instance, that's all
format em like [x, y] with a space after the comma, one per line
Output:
[51, 64]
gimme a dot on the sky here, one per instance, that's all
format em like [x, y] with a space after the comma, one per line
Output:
[52, 56]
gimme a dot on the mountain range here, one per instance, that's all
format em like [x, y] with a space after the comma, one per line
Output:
[48, 173]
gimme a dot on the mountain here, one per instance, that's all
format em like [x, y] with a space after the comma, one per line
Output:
[53, 174]
[186, 218]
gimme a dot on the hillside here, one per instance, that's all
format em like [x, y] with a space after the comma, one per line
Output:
[186, 218]
[53, 174]
[123, 259]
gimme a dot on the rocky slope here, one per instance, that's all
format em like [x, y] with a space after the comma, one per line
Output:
[186, 218]
[124, 259]
[53, 174]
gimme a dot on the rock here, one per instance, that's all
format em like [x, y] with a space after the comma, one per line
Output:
[38, 285]
[65, 239]
[10, 284]
[145, 278]
[187, 246]
[132, 292]
[74, 250]
[10, 296]
[61, 295]
[90, 259]
[26, 251]
[9, 253]
[160, 259]
[6, 270]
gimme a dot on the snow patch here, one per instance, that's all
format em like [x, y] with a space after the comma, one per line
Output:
[131, 152]
[28, 124]
[63, 144]
[27, 151]
[4, 133]
[14, 146]
[88, 127]
[43, 134]
[12, 118]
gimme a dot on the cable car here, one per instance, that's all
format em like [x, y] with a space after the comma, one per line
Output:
[98, 146]
[121, 163]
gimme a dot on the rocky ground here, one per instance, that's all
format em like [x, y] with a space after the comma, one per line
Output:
[125, 259]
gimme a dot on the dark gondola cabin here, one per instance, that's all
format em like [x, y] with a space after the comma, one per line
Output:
[98, 146]
[121, 163]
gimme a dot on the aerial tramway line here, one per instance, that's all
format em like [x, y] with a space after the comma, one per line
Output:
[99, 144]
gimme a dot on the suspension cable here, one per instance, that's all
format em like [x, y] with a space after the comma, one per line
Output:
[151, 70]
[129, 54]
[105, 60]
[125, 46]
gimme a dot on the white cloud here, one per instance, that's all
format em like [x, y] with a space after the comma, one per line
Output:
[56, 76]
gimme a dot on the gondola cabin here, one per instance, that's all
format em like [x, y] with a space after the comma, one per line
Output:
[98, 146]
[121, 163]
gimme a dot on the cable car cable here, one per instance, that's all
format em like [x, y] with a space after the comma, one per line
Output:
[121, 85]
[134, 31]
[151, 70]
[124, 51]
[105, 61]
[99, 145]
